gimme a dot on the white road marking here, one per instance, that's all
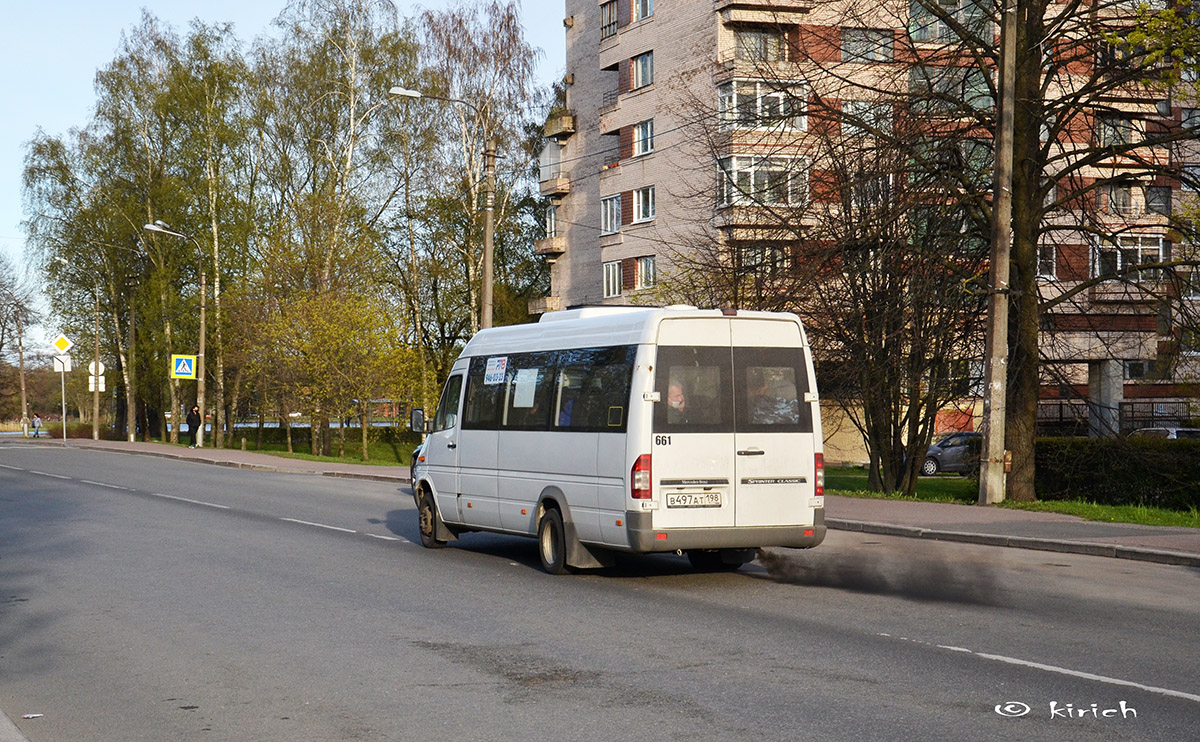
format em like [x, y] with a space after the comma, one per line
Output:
[47, 474]
[56, 476]
[387, 538]
[318, 525]
[1056, 669]
[14, 468]
[194, 502]
[103, 484]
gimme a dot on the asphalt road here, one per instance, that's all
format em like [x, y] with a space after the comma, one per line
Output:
[150, 599]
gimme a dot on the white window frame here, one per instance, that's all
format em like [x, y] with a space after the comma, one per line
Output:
[1120, 198]
[551, 220]
[643, 138]
[877, 114]
[1047, 266]
[870, 45]
[610, 215]
[744, 178]
[612, 279]
[643, 204]
[643, 70]
[642, 9]
[1122, 252]
[647, 272]
[762, 44]
[758, 104]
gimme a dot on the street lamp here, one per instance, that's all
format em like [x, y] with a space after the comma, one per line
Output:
[489, 204]
[162, 227]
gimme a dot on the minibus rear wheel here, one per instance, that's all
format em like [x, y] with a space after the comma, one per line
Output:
[427, 522]
[552, 542]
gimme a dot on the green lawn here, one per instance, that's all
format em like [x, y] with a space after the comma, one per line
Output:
[953, 488]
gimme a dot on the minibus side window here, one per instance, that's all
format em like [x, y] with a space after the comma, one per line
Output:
[447, 411]
[482, 411]
[591, 392]
[527, 383]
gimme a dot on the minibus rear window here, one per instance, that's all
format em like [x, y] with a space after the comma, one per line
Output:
[723, 390]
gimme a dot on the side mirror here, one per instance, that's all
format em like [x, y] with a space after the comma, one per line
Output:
[416, 422]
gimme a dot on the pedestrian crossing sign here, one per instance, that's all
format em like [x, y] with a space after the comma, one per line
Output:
[183, 367]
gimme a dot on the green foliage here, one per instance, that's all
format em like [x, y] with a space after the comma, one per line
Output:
[1113, 471]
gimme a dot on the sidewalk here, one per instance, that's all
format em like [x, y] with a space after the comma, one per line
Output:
[939, 521]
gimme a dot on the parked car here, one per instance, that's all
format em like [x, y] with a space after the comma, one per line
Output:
[412, 466]
[1169, 433]
[957, 452]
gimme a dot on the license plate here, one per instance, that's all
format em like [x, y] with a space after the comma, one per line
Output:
[694, 500]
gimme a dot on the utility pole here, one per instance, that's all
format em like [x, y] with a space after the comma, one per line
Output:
[200, 362]
[96, 374]
[489, 215]
[992, 474]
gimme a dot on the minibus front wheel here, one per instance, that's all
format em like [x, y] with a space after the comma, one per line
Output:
[552, 542]
[427, 521]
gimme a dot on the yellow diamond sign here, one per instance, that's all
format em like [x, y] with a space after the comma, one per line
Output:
[63, 344]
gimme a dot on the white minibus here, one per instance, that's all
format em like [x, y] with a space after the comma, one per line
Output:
[629, 429]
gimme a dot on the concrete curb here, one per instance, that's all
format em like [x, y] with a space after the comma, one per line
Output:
[9, 731]
[1089, 548]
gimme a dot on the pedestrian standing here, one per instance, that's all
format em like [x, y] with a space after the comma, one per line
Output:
[37, 424]
[193, 423]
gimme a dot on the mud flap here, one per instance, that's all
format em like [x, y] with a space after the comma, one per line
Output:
[584, 557]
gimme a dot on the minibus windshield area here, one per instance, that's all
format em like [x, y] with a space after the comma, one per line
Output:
[728, 390]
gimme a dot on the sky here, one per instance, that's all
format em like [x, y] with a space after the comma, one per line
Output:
[52, 50]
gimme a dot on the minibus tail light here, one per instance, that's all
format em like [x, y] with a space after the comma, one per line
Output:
[639, 478]
[819, 475]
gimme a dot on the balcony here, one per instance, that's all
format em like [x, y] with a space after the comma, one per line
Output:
[551, 247]
[559, 127]
[555, 186]
[545, 304]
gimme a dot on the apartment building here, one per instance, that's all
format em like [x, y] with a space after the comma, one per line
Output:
[677, 113]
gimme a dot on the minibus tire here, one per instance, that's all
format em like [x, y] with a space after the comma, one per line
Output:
[552, 542]
[428, 521]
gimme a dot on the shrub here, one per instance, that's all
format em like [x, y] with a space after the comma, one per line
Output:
[1114, 471]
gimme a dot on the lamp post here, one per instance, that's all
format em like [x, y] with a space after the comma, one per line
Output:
[489, 203]
[162, 227]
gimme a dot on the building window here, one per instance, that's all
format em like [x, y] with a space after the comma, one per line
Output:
[1115, 255]
[762, 104]
[862, 118]
[642, 9]
[1190, 118]
[760, 44]
[551, 221]
[1189, 177]
[1047, 265]
[931, 20]
[1190, 289]
[646, 275]
[643, 70]
[610, 215]
[778, 181]
[643, 138]
[1115, 131]
[643, 204]
[612, 279]
[1120, 198]
[764, 258]
[947, 90]
[1158, 199]
[608, 20]
[866, 45]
